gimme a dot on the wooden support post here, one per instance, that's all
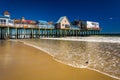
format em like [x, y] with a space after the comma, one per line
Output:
[60, 33]
[24, 33]
[76, 32]
[20, 33]
[51, 32]
[8, 32]
[45, 32]
[42, 32]
[34, 31]
[72, 32]
[15, 33]
[39, 33]
[0, 33]
[56, 32]
[79, 32]
[32, 34]
[65, 33]
[69, 33]
[86, 32]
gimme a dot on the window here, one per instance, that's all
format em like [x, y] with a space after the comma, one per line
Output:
[67, 26]
[4, 21]
[62, 24]
[1, 20]
[10, 21]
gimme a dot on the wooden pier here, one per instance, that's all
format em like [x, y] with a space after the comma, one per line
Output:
[12, 32]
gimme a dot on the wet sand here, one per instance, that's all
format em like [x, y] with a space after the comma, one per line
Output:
[22, 62]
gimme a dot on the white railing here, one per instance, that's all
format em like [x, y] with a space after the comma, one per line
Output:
[18, 26]
[6, 25]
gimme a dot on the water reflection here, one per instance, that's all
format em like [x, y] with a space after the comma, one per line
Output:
[104, 57]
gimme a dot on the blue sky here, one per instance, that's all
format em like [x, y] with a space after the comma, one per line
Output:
[106, 12]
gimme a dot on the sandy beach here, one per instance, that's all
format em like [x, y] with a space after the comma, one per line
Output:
[22, 62]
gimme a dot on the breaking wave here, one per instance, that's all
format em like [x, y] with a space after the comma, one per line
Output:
[89, 39]
[102, 56]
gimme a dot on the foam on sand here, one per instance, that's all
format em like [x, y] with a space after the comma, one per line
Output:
[76, 66]
[89, 39]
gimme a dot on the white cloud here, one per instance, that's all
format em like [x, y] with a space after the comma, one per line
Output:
[110, 18]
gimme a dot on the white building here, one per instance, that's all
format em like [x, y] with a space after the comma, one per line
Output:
[5, 19]
[93, 25]
[63, 23]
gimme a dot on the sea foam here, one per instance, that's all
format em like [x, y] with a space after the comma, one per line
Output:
[88, 39]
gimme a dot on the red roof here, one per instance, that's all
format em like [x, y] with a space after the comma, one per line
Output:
[25, 21]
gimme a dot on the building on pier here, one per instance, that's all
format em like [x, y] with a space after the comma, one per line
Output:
[45, 25]
[87, 25]
[5, 19]
[22, 28]
[63, 23]
[25, 23]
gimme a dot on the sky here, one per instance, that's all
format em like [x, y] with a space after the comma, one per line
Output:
[106, 12]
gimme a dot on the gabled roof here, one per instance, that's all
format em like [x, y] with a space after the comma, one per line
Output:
[1, 16]
[61, 18]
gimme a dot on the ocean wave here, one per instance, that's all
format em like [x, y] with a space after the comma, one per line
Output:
[73, 65]
[89, 39]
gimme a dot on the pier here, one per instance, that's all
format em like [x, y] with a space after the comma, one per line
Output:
[13, 32]
[27, 29]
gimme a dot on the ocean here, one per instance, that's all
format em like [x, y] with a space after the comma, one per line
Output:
[101, 54]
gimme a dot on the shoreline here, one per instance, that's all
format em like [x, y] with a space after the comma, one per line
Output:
[88, 39]
[34, 46]
[89, 69]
